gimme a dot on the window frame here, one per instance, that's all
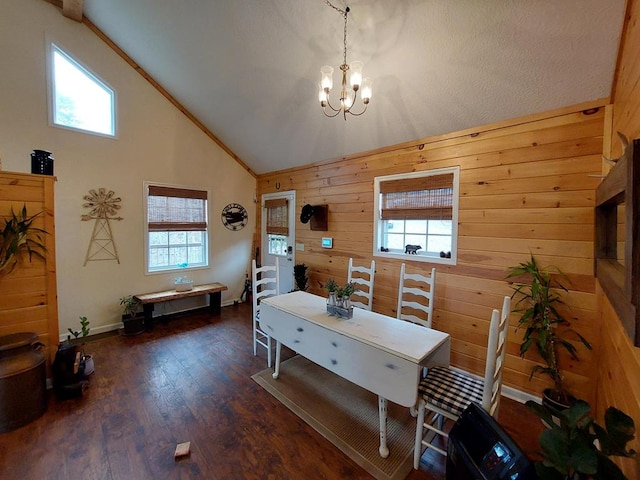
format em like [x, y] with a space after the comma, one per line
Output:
[54, 46]
[378, 222]
[207, 232]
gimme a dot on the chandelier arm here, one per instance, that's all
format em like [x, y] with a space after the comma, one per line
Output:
[331, 106]
[330, 116]
[358, 114]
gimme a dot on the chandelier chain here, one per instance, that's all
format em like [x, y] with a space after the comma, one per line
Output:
[344, 13]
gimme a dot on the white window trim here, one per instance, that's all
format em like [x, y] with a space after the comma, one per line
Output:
[454, 220]
[52, 44]
[172, 271]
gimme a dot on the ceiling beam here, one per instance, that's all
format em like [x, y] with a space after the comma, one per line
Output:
[72, 9]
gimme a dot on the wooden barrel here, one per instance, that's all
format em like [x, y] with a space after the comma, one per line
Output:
[22, 380]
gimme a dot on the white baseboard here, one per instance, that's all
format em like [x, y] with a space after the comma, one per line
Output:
[96, 330]
[116, 326]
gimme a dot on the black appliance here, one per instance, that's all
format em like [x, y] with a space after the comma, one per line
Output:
[69, 379]
[479, 449]
[41, 162]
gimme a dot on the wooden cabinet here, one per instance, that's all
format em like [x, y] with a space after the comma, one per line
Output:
[28, 295]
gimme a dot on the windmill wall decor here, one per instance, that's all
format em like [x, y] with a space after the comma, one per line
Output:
[104, 206]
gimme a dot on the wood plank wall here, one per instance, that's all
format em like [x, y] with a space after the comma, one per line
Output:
[28, 295]
[525, 187]
[619, 360]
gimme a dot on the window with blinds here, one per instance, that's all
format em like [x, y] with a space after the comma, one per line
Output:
[277, 216]
[177, 228]
[416, 215]
[277, 225]
[422, 198]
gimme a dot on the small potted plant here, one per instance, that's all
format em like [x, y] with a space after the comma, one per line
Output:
[132, 319]
[78, 337]
[575, 447]
[332, 288]
[346, 292]
[339, 303]
[544, 326]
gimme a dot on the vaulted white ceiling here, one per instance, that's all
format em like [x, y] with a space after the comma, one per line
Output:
[249, 69]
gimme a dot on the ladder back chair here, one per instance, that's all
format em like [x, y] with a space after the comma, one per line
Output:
[445, 392]
[415, 295]
[364, 279]
[264, 283]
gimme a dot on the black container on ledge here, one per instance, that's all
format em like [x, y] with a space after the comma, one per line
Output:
[41, 162]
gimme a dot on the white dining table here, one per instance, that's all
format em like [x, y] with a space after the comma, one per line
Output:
[379, 353]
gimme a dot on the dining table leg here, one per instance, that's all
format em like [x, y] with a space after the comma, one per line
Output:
[382, 413]
[276, 371]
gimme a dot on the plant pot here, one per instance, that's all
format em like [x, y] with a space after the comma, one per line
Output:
[89, 367]
[133, 326]
[551, 398]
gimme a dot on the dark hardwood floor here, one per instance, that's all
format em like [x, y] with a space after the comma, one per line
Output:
[189, 380]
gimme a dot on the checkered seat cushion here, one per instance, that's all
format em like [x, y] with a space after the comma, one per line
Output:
[450, 390]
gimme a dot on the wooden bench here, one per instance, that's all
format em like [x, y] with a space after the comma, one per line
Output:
[148, 300]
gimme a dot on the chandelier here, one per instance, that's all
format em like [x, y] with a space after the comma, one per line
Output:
[348, 92]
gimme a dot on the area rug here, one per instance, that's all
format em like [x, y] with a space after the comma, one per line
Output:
[344, 414]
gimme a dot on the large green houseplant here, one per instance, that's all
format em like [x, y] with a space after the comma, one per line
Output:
[543, 324]
[18, 235]
[575, 447]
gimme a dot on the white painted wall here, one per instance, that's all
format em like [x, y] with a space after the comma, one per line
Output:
[155, 142]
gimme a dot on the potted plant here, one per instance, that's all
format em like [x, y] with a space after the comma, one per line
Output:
[132, 320]
[19, 235]
[575, 447]
[300, 276]
[332, 288]
[79, 336]
[347, 291]
[544, 326]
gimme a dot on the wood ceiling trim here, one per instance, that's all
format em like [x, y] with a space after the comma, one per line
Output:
[156, 85]
[72, 9]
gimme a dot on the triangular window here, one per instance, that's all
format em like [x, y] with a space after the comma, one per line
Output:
[79, 100]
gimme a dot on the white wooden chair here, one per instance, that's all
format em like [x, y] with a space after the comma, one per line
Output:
[364, 279]
[264, 283]
[445, 392]
[415, 297]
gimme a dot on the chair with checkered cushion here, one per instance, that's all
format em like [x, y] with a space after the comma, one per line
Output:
[445, 393]
[264, 283]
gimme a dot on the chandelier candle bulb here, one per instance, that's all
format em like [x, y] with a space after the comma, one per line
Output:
[366, 90]
[322, 96]
[356, 74]
[327, 78]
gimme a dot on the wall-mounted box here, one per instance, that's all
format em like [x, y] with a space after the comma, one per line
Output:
[319, 219]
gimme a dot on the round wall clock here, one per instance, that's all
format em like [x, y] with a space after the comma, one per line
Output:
[234, 216]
